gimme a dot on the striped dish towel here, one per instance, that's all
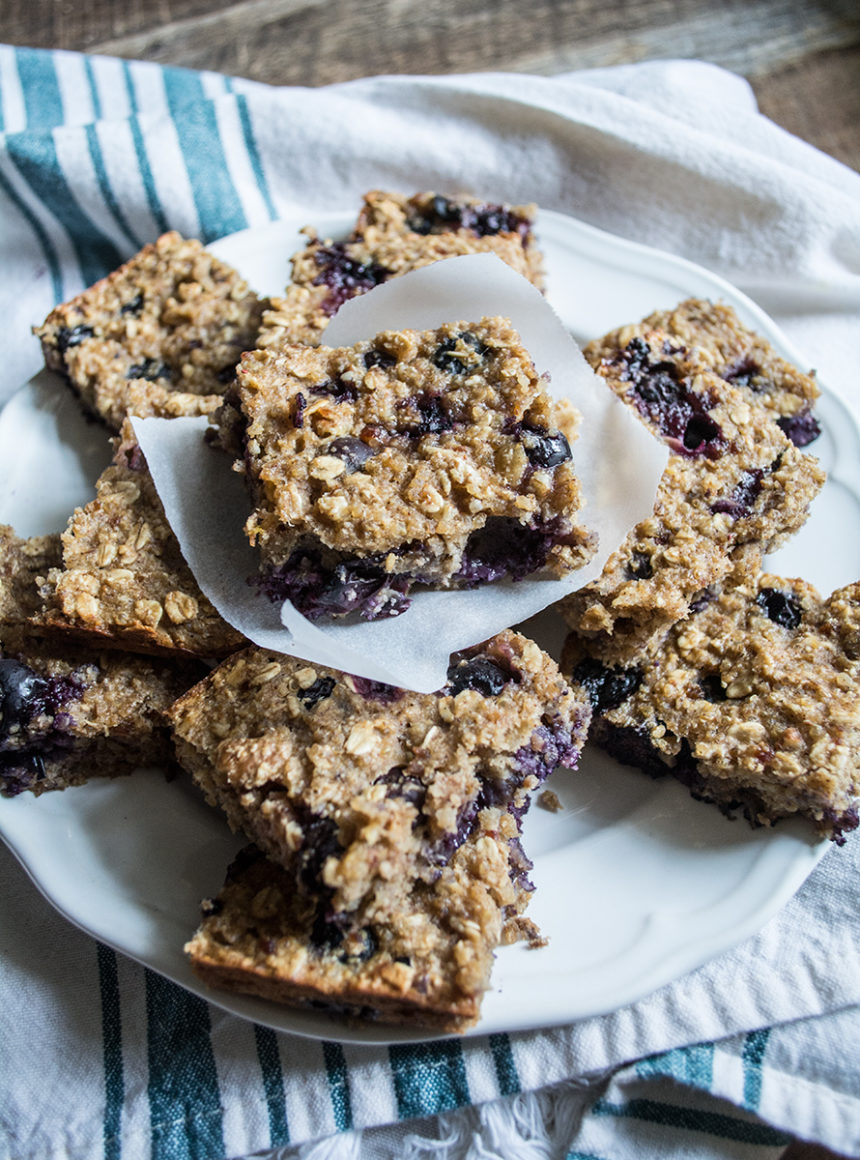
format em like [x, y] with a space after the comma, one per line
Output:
[102, 1057]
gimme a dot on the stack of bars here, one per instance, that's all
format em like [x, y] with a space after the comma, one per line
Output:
[386, 864]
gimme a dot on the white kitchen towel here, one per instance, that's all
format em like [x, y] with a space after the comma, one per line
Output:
[102, 1058]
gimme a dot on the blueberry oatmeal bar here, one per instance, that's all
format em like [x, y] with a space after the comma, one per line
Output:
[67, 715]
[395, 234]
[753, 702]
[122, 581]
[735, 488]
[424, 964]
[363, 792]
[711, 335]
[159, 336]
[419, 457]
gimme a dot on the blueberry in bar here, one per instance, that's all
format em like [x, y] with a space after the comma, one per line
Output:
[159, 336]
[753, 701]
[69, 714]
[371, 797]
[431, 458]
[736, 485]
[122, 581]
[394, 234]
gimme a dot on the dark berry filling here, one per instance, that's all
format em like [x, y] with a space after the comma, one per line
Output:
[28, 701]
[299, 405]
[401, 785]
[841, 824]
[320, 690]
[337, 389]
[72, 336]
[639, 566]
[505, 547]
[443, 214]
[665, 400]
[352, 451]
[134, 305]
[376, 690]
[783, 608]
[552, 744]
[744, 372]
[350, 586]
[440, 852]
[746, 492]
[150, 369]
[344, 276]
[543, 448]
[450, 362]
[434, 416]
[606, 688]
[802, 428]
[712, 688]
[379, 358]
[479, 673]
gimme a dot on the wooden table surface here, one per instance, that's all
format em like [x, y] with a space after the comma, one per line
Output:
[802, 57]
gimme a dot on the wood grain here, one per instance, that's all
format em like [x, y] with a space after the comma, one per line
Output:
[802, 58]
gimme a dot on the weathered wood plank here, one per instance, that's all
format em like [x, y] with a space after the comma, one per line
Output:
[800, 57]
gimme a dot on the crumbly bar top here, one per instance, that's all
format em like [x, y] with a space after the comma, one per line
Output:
[426, 965]
[431, 456]
[22, 563]
[159, 336]
[362, 789]
[753, 701]
[123, 582]
[736, 486]
[395, 234]
[710, 335]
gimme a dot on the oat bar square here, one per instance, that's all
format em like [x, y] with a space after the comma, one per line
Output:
[416, 458]
[393, 235]
[753, 701]
[736, 486]
[159, 336]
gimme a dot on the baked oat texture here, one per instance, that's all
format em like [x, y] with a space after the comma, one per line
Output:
[122, 582]
[395, 815]
[736, 486]
[393, 235]
[69, 714]
[159, 336]
[753, 702]
[432, 457]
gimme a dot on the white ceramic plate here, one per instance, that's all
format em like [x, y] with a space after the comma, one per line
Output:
[636, 882]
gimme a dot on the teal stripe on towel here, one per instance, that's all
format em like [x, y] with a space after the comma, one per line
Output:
[112, 1051]
[692, 1065]
[428, 1078]
[254, 153]
[143, 165]
[44, 241]
[105, 186]
[184, 1100]
[218, 206]
[36, 159]
[506, 1069]
[273, 1084]
[755, 1046]
[694, 1120]
[338, 1082]
[43, 103]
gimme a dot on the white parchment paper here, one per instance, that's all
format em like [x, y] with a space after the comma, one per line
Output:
[619, 464]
